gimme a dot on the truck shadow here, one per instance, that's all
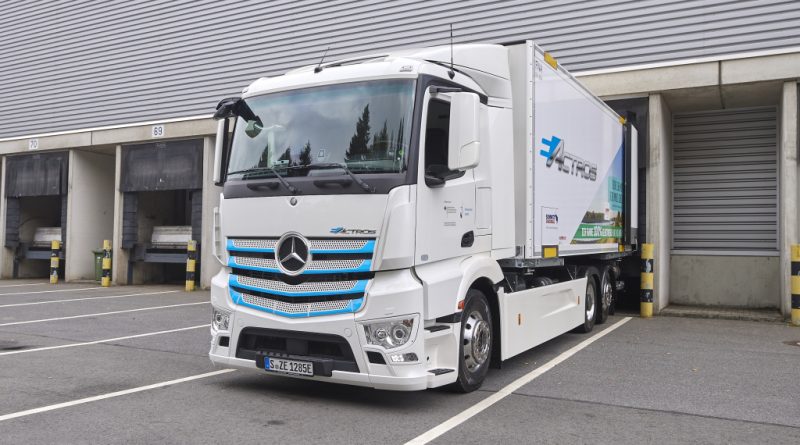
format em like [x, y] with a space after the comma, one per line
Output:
[302, 391]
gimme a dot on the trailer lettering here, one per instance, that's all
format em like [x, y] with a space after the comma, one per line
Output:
[567, 162]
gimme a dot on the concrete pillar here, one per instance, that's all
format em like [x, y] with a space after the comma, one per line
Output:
[209, 266]
[6, 255]
[788, 173]
[119, 265]
[659, 194]
[90, 211]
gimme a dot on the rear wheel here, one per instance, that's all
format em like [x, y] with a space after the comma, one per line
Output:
[475, 350]
[606, 297]
[590, 305]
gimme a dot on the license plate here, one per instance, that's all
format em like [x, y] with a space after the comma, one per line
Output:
[284, 366]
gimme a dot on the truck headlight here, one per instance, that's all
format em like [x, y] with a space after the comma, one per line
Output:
[389, 334]
[220, 319]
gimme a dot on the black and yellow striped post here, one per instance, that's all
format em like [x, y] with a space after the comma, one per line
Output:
[796, 284]
[191, 262]
[55, 247]
[646, 302]
[105, 279]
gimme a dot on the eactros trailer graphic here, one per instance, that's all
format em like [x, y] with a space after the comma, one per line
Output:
[407, 220]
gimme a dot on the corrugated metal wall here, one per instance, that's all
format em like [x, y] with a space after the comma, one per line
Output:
[725, 181]
[70, 65]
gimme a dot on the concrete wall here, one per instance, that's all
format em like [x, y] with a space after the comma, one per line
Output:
[659, 195]
[90, 210]
[734, 281]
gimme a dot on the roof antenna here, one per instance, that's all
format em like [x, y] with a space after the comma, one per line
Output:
[451, 73]
[319, 66]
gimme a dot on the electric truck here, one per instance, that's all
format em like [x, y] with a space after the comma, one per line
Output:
[408, 220]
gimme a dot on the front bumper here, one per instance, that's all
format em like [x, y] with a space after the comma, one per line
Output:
[390, 294]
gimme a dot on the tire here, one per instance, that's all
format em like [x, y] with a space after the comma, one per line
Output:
[605, 298]
[590, 301]
[475, 348]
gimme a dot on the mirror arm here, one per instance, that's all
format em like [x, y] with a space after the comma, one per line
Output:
[438, 180]
[434, 181]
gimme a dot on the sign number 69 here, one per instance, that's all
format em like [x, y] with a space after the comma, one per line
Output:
[157, 131]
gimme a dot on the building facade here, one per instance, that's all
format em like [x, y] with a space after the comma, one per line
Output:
[106, 101]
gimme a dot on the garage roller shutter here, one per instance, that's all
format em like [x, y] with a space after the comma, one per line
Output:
[725, 187]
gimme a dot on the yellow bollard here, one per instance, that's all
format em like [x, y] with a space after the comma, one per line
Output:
[646, 301]
[105, 280]
[191, 261]
[55, 246]
[796, 284]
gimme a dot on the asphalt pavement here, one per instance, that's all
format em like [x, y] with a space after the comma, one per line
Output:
[128, 364]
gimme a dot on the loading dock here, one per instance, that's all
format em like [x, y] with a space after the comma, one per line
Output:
[161, 190]
[36, 210]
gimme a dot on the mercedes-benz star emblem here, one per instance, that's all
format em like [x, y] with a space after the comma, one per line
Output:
[292, 254]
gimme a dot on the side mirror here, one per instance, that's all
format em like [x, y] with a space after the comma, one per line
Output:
[219, 150]
[464, 141]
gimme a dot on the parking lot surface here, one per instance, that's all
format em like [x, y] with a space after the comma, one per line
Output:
[83, 364]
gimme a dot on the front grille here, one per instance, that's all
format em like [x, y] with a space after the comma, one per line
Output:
[334, 281]
[302, 288]
[337, 244]
[266, 244]
[303, 278]
[300, 308]
[260, 263]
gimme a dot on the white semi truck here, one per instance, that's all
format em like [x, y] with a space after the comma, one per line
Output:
[407, 220]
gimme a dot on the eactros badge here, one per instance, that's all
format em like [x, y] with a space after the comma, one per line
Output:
[344, 231]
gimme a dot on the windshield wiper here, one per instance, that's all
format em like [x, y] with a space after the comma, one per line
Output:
[272, 170]
[333, 165]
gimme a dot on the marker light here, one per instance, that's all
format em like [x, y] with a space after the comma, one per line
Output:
[404, 358]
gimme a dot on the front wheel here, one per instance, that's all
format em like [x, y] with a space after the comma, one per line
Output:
[590, 306]
[475, 349]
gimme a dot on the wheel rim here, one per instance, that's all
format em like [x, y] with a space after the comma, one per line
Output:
[608, 294]
[477, 341]
[590, 299]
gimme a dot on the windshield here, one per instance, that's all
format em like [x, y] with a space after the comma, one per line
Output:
[363, 126]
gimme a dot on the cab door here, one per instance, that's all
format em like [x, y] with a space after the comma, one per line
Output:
[445, 212]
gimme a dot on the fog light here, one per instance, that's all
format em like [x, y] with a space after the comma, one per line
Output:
[389, 333]
[220, 319]
[403, 358]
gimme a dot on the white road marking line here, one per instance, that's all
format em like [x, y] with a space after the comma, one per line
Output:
[107, 340]
[88, 298]
[111, 395]
[51, 291]
[24, 284]
[506, 391]
[102, 313]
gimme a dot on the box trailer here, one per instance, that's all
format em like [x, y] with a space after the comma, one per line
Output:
[406, 220]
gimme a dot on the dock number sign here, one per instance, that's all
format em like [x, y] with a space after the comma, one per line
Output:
[157, 131]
